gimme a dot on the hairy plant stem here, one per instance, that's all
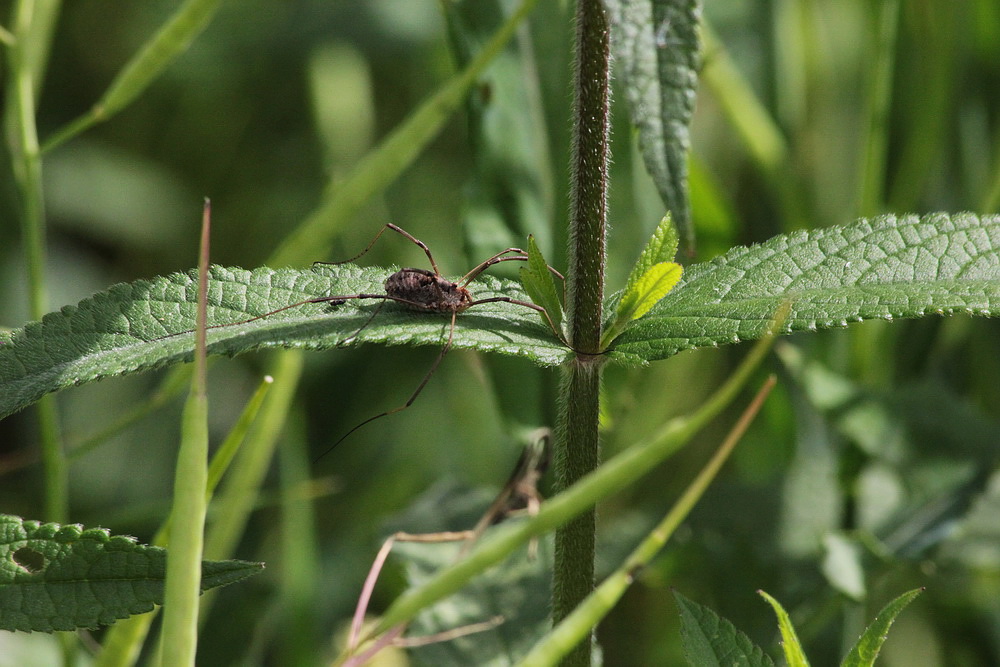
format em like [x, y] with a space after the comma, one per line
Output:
[577, 436]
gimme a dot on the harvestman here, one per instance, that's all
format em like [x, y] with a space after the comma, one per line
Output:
[420, 289]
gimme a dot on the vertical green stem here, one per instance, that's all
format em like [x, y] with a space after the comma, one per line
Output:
[33, 22]
[577, 435]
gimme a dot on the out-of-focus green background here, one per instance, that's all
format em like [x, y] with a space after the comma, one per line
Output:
[871, 470]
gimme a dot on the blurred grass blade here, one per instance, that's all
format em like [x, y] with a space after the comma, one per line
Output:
[790, 644]
[238, 496]
[510, 191]
[384, 164]
[746, 113]
[237, 434]
[300, 559]
[34, 23]
[753, 123]
[156, 55]
[123, 642]
[579, 624]
[179, 639]
[925, 133]
[876, 136]
[171, 386]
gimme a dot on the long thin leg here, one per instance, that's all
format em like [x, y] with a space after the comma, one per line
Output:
[362, 327]
[421, 244]
[554, 272]
[332, 300]
[413, 396]
[526, 304]
[495, 259]
[253, 319]
[360, 254]
[400, 230]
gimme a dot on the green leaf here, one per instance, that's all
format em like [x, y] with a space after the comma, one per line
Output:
[794, 656]
[55, 577]
[661, 247]
[886, 267]
[540, 286]
[649, 289]
[867, 649]
[645, 293]
[121, 330]
[652, 277]
[712, 641]
[657, 51]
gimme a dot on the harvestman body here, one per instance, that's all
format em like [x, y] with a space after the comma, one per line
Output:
[420, 289]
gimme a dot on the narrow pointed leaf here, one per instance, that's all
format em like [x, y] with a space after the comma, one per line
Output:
[648, 290]
[121, 330]
[867, 649]
[170, 41]
[55, 577]
[661, 247]
[712, 641]
[643, 294]
[657, 52]
[652, 277]
[794, 656]
[886, 267]
[540, 285]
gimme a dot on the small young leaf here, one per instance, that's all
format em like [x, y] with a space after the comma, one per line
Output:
[539, 284]
[794, 655]
[55, 577]
[867, 649]
[648, 290]
[661, 247]
[712, 641]
[652, 277]
[643, 294]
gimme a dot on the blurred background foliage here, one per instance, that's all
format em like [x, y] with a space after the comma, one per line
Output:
[873, 469]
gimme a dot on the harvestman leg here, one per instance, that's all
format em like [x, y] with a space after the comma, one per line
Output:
[399, 230]
[509, 254]
[413, 396]
[437, 362]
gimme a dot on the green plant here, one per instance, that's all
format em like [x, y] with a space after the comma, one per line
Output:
[880, 267]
